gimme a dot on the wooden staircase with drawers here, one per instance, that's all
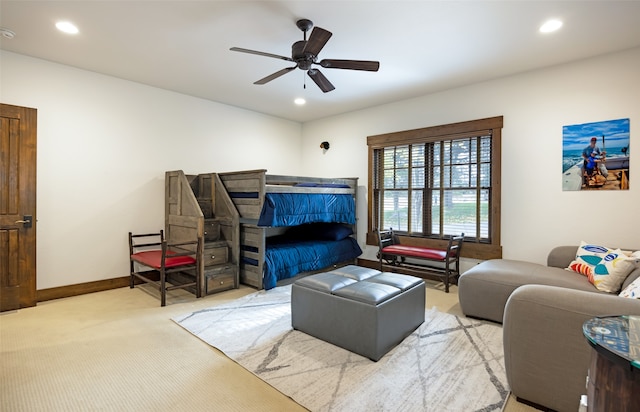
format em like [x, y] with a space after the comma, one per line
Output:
[198, 206]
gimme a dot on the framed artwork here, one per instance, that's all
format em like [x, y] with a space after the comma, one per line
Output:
[595, 156]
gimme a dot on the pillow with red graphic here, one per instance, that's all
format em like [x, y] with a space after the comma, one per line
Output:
[605, 268]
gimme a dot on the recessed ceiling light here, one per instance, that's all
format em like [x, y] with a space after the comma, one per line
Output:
[67, 27]
[550, 26]
[299, 101]
[7, 34]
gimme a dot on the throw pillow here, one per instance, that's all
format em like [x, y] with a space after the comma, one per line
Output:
[632, 291]
[605, 268]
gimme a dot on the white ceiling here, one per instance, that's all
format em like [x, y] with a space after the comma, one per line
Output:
[423, 46]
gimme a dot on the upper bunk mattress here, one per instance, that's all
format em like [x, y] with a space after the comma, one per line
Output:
[292, 209]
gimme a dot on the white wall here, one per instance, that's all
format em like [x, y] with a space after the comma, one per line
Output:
[536, 214]
[103, 147]
[105, 143]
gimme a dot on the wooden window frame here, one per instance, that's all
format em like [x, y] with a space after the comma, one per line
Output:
[493, 126]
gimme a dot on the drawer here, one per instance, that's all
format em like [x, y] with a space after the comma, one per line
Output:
[215, 255]
[217, 270]
[211, 230]
[220, 278]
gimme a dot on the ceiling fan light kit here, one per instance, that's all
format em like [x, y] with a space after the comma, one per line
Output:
[304, 54]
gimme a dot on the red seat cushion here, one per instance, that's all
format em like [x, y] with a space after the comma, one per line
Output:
[416, 252]
[153, 258]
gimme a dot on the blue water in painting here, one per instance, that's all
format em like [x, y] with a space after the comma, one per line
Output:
[572, 157]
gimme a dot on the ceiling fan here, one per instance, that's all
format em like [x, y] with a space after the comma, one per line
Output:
[304, 54]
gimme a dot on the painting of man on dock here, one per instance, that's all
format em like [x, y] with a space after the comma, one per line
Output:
[595, 156]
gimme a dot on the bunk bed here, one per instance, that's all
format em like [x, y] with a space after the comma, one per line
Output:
[290, 226]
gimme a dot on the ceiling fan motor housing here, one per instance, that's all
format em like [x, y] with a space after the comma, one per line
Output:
[303, 60]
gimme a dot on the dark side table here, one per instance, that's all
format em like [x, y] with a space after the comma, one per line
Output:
[614, 373]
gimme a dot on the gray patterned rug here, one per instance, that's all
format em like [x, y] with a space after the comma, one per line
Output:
[448, 364]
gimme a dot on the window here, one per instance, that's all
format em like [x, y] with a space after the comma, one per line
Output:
[429, 184]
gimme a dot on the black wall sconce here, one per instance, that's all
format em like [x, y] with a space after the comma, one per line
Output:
[324, 146]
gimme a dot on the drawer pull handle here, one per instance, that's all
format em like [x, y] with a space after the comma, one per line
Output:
[213, 256]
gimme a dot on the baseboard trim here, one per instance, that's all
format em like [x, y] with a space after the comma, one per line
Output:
[534, 405]
[44, 295]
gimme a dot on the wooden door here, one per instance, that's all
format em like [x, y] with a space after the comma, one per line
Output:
[17, 207]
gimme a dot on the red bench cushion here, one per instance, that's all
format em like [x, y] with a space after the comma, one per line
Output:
[416, 252]
[153, 258]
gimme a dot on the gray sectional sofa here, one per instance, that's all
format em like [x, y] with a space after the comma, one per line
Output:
[542, 309]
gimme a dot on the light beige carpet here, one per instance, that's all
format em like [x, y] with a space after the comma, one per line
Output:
[119, 351]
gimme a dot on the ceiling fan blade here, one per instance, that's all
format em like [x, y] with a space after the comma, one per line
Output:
[259, 53]
[323, 83]
[371, 66]
[275, 75]
[319, 37]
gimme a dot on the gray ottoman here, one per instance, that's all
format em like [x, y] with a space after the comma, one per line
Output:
[359, 309]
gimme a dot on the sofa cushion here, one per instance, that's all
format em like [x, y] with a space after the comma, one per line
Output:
[517, 273]
[484, 289]
[635, 274]
[632, 291]
[545, 352]
[605, 268]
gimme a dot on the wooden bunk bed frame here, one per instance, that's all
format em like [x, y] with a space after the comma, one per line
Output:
[249, 209]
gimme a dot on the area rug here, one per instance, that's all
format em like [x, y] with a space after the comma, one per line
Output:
[448, 364]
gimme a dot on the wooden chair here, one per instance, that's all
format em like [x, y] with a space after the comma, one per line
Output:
[153, 255]
[391, 252]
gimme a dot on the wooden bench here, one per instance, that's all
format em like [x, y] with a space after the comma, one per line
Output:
[423, 259]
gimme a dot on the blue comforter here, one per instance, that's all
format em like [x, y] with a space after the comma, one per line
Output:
[292, 209]
[285, 258]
